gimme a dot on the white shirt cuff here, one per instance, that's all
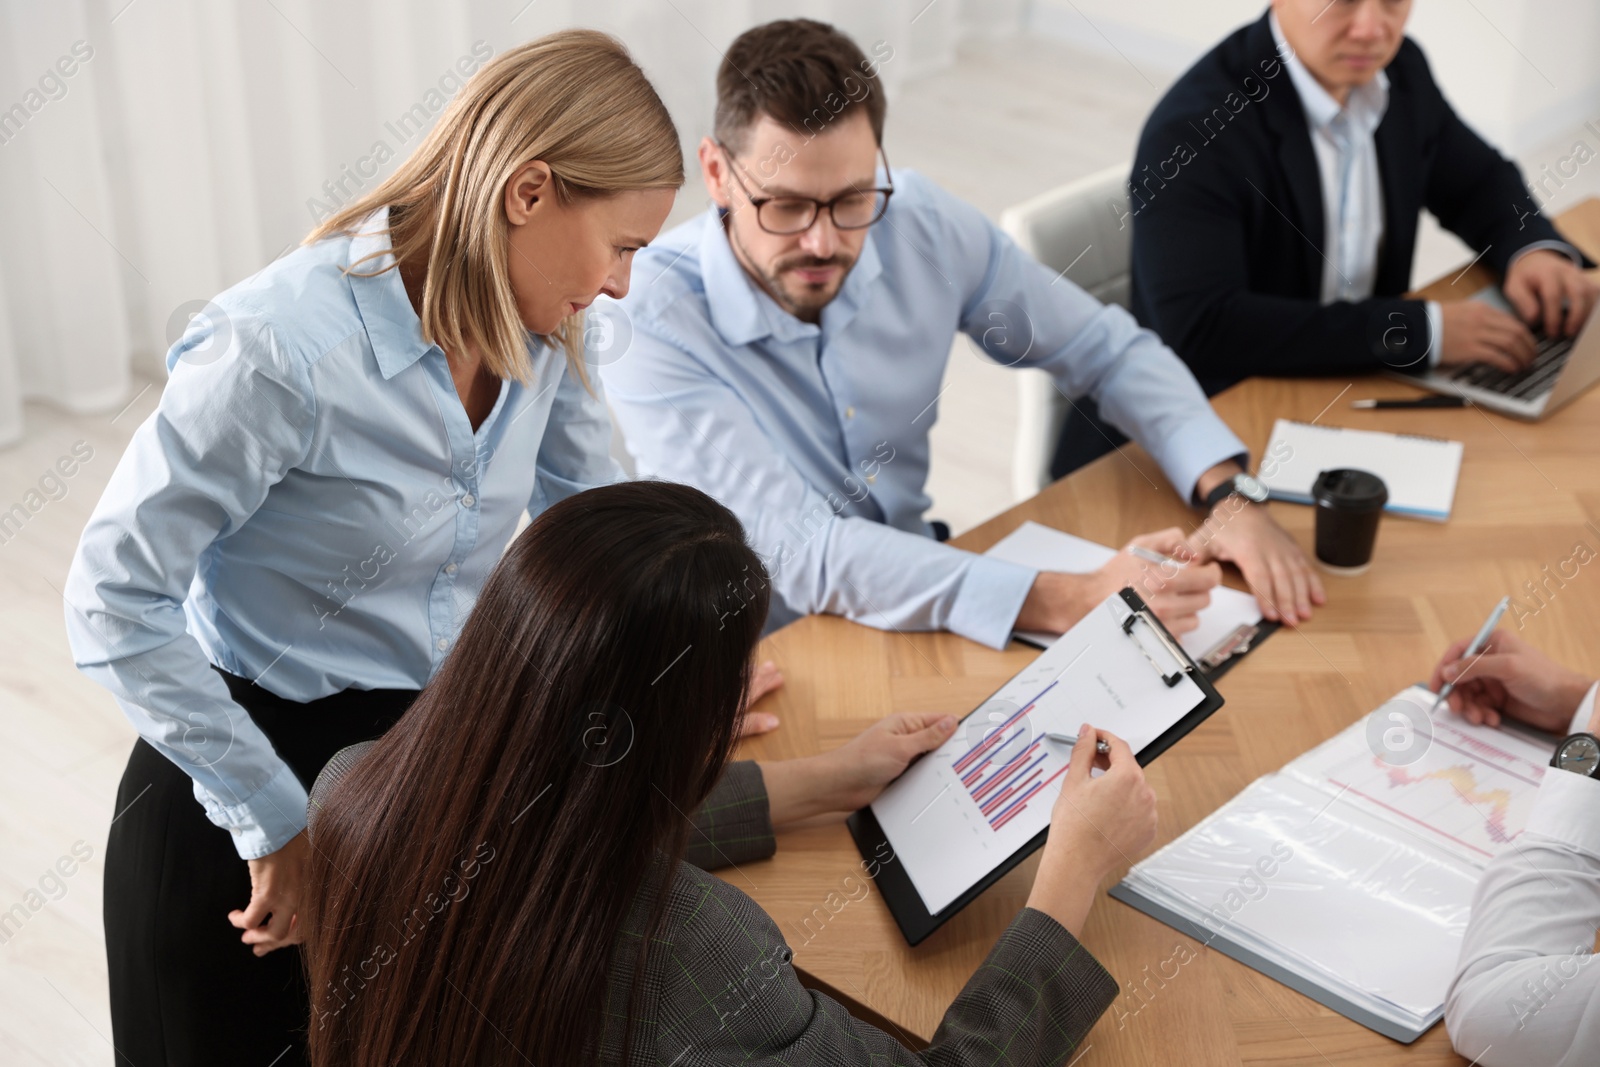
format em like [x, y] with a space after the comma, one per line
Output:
[1581, 717]
[1567, 811]
[1553, 246]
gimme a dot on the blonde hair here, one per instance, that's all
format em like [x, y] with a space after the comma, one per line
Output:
[574, 100]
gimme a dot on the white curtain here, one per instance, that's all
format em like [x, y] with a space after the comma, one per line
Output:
[154, 152]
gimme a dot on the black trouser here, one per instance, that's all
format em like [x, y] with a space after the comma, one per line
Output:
[184, 989]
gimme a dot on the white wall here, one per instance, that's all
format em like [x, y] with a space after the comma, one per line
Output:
[1518, 71]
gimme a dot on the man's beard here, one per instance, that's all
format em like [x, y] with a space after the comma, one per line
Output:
[797, 298]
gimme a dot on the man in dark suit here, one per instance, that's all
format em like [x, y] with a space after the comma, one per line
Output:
[1274, 201]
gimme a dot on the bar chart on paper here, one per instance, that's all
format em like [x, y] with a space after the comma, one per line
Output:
[966, 807]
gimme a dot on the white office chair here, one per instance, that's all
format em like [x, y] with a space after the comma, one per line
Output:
[1082, 225]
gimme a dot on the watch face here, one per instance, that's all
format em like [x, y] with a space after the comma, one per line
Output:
[1581, 755]
[1250, 488]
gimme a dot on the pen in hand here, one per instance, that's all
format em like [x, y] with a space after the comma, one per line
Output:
[1150, 555]
[1102, 746]
[1473, 649]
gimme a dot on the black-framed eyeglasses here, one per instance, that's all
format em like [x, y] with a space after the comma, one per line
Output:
[855, 209]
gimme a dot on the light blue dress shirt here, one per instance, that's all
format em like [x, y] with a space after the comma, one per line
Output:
[309, 508]
[816, 436]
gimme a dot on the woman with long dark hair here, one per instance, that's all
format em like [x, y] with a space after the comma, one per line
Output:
[514, 873]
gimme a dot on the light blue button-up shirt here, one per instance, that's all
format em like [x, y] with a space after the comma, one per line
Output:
[816, 436]
[310, 508]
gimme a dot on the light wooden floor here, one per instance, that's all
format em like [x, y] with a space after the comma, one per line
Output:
[1008, 121]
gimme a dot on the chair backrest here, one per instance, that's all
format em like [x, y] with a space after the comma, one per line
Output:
[1083, 225]
[1082, 230]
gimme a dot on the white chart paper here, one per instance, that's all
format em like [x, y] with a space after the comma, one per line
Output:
[963, 809]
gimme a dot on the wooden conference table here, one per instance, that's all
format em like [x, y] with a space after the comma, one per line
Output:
[1525, 494]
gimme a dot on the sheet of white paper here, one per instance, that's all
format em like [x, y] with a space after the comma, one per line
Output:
[1420, 472]
[1046, 548]
[963, 809]
[1469, 792]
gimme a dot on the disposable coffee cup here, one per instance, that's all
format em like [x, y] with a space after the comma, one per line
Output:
[1349, 504]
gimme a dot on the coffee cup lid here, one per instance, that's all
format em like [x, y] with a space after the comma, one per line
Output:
[1348, 487]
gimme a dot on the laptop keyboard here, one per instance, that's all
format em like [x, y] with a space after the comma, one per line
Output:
[1530, 383]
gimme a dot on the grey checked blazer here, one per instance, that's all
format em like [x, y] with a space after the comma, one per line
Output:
[719, 988]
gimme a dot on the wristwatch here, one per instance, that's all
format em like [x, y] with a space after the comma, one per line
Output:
[1245, 485]
[1580, 754]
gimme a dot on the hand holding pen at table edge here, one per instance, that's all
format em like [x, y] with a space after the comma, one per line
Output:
[1176, 589]
[1098, 823]
[1509, 677]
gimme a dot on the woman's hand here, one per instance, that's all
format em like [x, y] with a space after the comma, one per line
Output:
[851, 776]
[864, 765]
[1096, 825]
[763, 680]
[1510, 677]
[269, 922]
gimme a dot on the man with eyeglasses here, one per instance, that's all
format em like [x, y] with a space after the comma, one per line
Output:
[785, 352]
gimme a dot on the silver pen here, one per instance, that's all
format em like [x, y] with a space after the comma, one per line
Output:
[1474, 648]
[1101, 746]
[1150, 555]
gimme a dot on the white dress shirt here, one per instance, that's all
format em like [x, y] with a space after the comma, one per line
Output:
[1527, 989]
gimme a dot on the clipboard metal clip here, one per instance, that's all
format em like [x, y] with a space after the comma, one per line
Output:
[1236, 643]
[1161, 635]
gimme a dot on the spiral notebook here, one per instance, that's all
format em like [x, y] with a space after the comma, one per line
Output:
[1421, 472]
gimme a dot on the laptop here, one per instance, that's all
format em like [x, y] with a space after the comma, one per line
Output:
[1563, 368]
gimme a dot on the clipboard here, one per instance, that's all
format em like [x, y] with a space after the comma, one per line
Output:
[983, 809]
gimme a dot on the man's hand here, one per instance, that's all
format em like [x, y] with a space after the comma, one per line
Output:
[1510, 677]
[1273, 566]
[1473, 332]
[763, 680]
[276, 880]
[1549, 292]
[1175, 594]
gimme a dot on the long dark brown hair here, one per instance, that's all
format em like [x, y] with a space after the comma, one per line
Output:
[469, 877]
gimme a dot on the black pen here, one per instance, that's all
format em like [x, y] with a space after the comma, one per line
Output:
[1420, 402]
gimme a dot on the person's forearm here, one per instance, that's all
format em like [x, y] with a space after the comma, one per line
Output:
[797, 789]
[1055, 602]
[1064, 889]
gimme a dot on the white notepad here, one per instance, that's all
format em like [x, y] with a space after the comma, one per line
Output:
[1421, 472]
[1049, 549]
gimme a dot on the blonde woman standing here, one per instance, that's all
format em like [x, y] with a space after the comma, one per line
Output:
[289, 546]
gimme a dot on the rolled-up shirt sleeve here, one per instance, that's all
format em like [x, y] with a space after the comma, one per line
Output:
[1023, 314]
[226, 430]
[1527, 988]
[819, 560]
